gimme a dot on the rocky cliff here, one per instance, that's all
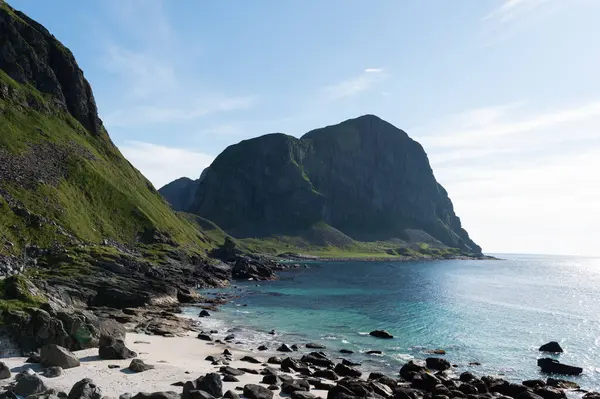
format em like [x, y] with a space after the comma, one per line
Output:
[363, 177]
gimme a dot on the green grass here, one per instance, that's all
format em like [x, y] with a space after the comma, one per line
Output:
[15, 295]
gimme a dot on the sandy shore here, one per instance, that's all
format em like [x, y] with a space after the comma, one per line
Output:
[175, 359]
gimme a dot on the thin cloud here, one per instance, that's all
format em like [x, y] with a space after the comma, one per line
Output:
[511, 9]
[162, 164]
[355, 85]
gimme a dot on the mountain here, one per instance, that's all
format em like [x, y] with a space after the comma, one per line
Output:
[363, 179]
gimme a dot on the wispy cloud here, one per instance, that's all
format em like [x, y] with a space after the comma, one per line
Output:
[355, 85]
[152, 75]
[511, 9]
[162, 164]
[521, 174]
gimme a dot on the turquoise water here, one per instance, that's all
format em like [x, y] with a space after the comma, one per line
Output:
[496, 313]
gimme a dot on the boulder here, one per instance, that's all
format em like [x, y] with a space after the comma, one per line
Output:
[230, 378]
[4, 371]
[274, 360]
[34, 357]
[317, 359]
[113, 349]
[53, 372]
[138, 365]
[405, 393]
[205, 337]
[346, 371]
[381, 334]
[24, 373]
[381, 389]
[412, 368]
[425, 381]
[302, 395]
[312, 345]
[263, 348]
[552, 366]
[204, 313]
[562, 384]
[284, 348]
[346, 351]
[293, 364]
[534, 383]
[508, 388]
[210, 383]
[466, 377]
[327, 374]
[85, 389]
[347, 362]
[54, 355]
[199, 394]
[231, 395]
[528, 395]
[437, 363]
[250, 359]
[551, 346]
[294, 386]
[551, 393]
[29, 385]
[253, 391]
[231, 371]
[270, 379]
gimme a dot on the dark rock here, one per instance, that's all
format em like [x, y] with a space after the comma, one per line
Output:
[113, 349]
[327, 374]
[137, 366]
[113, 366]
[34, 357]
[346, 351]
[211, 358]
[302, 395]
[552, 366]
[381, 334]
[270, 379]
[250, 359]
[455, 393]
[29, 385]
[322, 385]
[375, 376]
[24, 373]
[346, 371]
[468, 389]
[405, 393]
[412, 368]
[178, 384]
[284, 348]
[231, 395]
[562, 384]
[425, 381]
[551, 346]
[508, 389]
[294, 386]
[347, 362]
[204, 337]
[263, 348]
[269, 371]
[272, 332]
[231, 371]
[274, 360]
[441, 389]
[253, 391]
[340, 392]
[389, 381]
[85, 389]
[249, 370]
[437, 363]
[199, 394]
[227, 352]
[317, 359]
[528, 395]
[381, 389]
[374, 352]
[53, 372]
[293, 364]
[534, 383]
[466, 377]
[551, 393]
[230, 378]
[592, 395]
[204, 313]
[210, 383]
[312, 345]
[4, 371]
[230, 337]
[54, 355]
[273, 387]
[295, 348]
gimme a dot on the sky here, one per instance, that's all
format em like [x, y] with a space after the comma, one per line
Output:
[504, 95]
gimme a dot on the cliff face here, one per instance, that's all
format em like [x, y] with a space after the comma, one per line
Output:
[364, 177]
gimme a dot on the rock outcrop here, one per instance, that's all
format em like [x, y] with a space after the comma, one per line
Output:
[364, 178]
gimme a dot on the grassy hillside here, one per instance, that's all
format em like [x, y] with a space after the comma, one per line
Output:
[60, 184]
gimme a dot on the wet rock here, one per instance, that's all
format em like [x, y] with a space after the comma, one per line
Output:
[262, 348]
[552, 366]
[389, 381]
[205, 337]
[284, 348]
[534, 383]
[253, 391]
[250, 359]
[230, 337]
[327, 374]
[275, 360]
[346, 371]
[227, 352]
[346, 351]
[204, 313]
[53, 372]
[347, 362]
[4, 371]
[381, 389]
[551, 346]
[437, 363]
[381, 334]
[551, 393]
[54, 355]
[374, 352]
[468, 389]
[29, 385]
[138, 366]
[425, 381]
[528, 395]
[312, 345]
[113, 349]
[508, 389]
[411, 369]
[562, 384]
[466, 377]
[405, 393]
[293, 364]
[85, 389]
[295, 348]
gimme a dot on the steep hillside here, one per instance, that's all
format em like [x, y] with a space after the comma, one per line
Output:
[363, 178]
[62, 181]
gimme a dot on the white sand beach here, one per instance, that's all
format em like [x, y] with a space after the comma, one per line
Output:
[175, 359]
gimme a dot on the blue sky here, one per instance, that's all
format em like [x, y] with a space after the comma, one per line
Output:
[504, 95]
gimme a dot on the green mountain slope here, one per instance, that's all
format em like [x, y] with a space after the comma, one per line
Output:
[62, 181]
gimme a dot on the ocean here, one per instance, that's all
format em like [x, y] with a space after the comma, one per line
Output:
[495, 312]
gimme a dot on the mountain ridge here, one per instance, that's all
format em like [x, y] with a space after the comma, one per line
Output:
[363, 177]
